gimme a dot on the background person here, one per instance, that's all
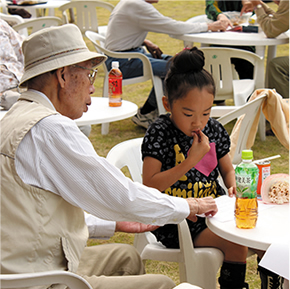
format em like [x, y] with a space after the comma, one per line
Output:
[273, 24]
[215, 11]
[51, 174]
[129, 24]
[11, 64]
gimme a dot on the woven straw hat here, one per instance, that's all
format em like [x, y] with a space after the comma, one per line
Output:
[55, 47]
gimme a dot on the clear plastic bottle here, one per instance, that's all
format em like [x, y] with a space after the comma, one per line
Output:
[115, 85]
[247, 173]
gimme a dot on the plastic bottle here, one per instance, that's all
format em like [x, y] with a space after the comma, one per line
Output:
[115, 85]
[247, 173]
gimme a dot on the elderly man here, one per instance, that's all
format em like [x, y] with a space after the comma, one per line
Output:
[51, 174]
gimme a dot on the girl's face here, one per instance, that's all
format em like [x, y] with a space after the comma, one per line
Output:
[191, 113]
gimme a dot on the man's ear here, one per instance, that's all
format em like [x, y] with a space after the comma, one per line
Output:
[166, 103]
[61, 75]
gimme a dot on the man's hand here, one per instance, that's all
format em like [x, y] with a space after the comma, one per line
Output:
[134, 227]
[153, 49]
[248, 6]
[222, 17]
[205, 206]
[220, 25]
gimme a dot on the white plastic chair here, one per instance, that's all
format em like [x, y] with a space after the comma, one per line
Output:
[32, 25]
[218, 63]
[98, 42]
[84, 14]
[12, 19]
[249, 110]
[186, 286]
[73, 281]
[197, 266]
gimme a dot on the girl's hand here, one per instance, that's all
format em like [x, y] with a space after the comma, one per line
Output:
[200, 146]
[232, 191]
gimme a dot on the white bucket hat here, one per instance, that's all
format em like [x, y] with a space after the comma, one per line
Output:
[55, 47]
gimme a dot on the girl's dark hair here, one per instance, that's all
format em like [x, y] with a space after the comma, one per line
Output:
[185, 73]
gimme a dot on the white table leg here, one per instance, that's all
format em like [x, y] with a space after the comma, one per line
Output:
[271, 54]
[105, 128]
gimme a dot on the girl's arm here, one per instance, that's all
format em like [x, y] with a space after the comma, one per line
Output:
[228, 174]
[152, 175]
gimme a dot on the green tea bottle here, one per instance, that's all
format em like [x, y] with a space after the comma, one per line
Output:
[247, 174]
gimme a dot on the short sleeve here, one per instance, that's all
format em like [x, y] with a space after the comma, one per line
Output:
[154, 142]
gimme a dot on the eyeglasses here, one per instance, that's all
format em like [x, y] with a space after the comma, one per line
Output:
[92, 75]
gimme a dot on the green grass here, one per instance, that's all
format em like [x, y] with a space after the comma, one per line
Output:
[125, 129]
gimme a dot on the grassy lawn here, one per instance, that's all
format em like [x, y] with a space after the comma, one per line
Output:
[125, 129]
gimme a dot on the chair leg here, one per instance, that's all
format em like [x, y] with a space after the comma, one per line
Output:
[262, 127]
[159, 94]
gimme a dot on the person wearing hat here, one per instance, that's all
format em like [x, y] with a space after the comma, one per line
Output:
[51, 174]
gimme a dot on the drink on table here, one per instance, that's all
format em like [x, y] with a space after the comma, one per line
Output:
[115, 85]
[247, 173]
[264, 172]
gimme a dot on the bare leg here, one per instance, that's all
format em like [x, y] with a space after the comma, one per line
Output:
[233, 252]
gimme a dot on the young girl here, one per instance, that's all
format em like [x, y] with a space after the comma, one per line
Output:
[183, 154]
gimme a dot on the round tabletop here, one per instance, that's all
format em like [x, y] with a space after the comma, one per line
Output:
[234, 38]
[272, 226]
[100, 112]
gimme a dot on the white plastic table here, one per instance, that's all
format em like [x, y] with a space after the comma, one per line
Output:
[50, 5]
[272, 226]
[99, 112]
[259, 40]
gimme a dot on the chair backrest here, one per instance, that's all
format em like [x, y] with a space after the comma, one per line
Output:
[128, 154]
[71, 280]
[32, 25]
[249, 112]
[99, 44]
[11, 19]
[218, 63]
[84, 13]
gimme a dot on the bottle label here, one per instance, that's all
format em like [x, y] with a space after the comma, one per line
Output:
[247, 180]
[115, 86]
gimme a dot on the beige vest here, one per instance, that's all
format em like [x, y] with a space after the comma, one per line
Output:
[40, 231]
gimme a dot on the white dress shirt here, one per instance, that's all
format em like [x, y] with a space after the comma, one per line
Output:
[131, 20]
[56, 156]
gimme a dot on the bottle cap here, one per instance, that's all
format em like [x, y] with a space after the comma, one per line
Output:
[247, 154]
[115, 64]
